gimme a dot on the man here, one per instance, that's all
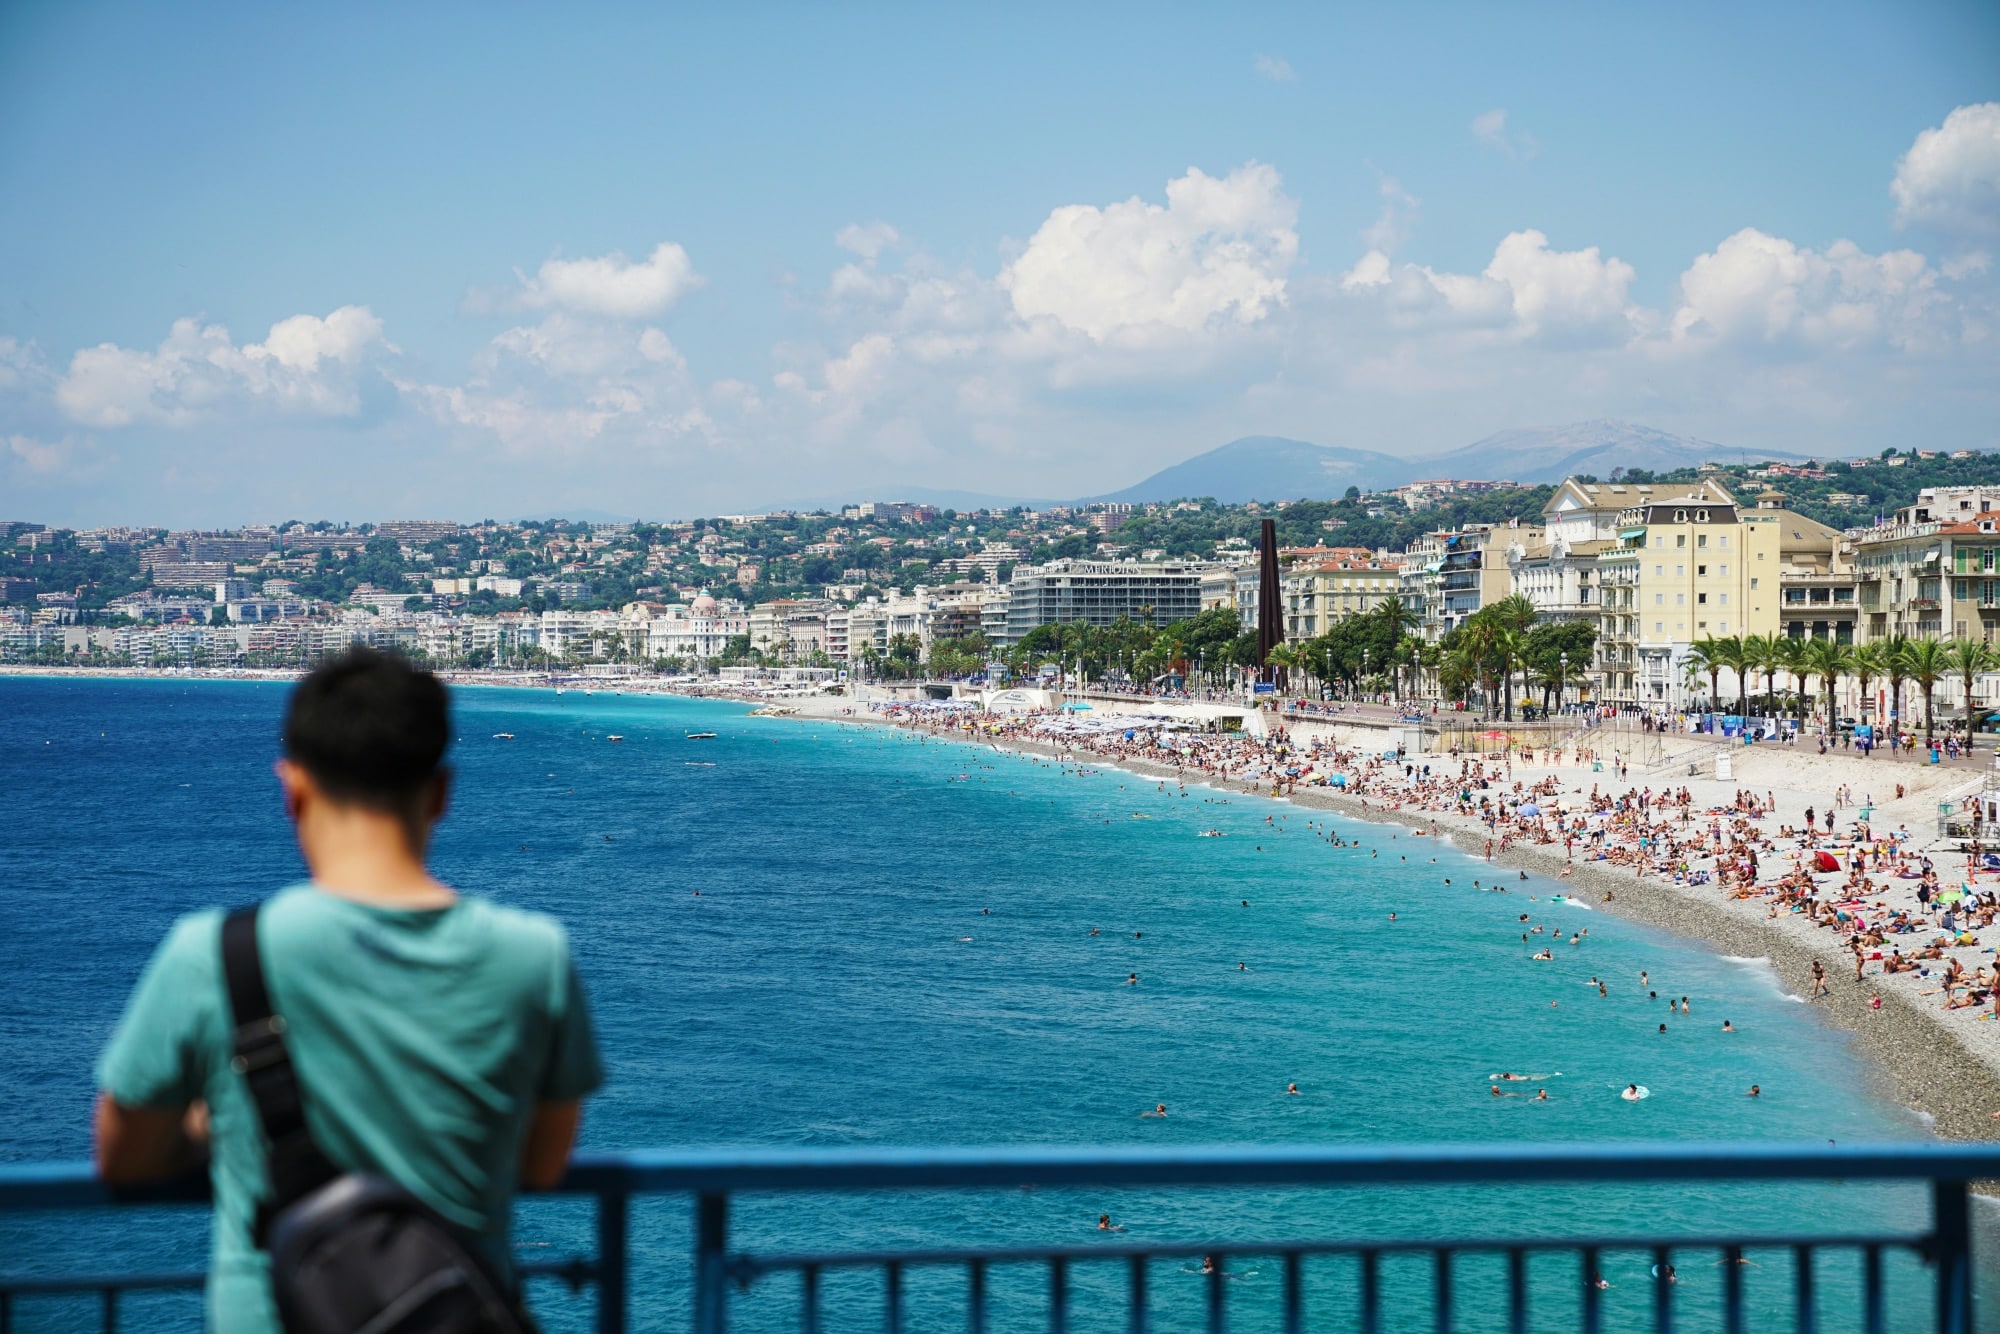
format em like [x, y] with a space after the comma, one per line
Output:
[440, 1041]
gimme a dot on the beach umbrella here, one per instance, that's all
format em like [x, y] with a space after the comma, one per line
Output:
[1951, 896]
[1530, 808]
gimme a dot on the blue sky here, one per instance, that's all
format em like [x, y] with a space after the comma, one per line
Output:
[360, 261]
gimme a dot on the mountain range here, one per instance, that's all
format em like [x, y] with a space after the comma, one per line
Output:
[1270, 467]
[1266, 467]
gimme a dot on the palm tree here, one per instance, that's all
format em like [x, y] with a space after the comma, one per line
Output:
[1828, 660]
[1895, 664]
[1728, 652]
[1791, 657]
[1926, 662]
[1703, 660]
[1510, 645]
[1755, 650]
[1395, 615]
[1968, 658]
[1870, 662]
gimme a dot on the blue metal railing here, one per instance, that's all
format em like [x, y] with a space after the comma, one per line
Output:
[714, 1177]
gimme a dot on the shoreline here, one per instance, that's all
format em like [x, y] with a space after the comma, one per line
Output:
[1914, 1056]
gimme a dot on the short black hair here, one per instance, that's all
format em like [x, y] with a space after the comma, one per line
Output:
[369, 727]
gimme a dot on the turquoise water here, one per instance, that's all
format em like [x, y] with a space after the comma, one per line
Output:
[892, 945]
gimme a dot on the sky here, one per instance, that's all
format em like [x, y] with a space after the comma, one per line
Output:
[461, 261]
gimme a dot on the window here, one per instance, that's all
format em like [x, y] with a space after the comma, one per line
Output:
[1681, 516]
[1659, 627]
[1680, 599]
[1680, 539]
[1702, 540]
[1680, 571]
[1753, 583]
[1760, 555]
[1986, 561]
[1725, 572]
[1725, 599]
[1701, 516]
[1701, 599]
[1659, 599]
[1701, 570]
[1659, 570]
[1725, 627]
[1725, 547]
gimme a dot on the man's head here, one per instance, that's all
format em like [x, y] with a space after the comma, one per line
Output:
[366, 731]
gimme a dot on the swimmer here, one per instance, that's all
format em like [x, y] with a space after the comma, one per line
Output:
[1093, 930]
[1292, 1087]
[1541, 1095]
[1242, 967]
[1392, 917]
[1159, 1109]
[1132, 980]
[1728, 1027]
[1601, 991]
[1663, 1028]
[1246, 903]
[1104, 1224]
[1755, 1092]
[1631, 1093]
[1524, 875]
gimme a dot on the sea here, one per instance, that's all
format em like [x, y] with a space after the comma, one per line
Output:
[817, 934]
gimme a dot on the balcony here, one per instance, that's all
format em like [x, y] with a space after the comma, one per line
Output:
[1515, 1282]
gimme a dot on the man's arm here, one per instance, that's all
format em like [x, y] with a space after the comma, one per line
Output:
[546, 1147]
[136, 1144]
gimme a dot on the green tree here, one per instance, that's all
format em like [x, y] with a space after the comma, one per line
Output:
[1926, 662]
[1969, 658]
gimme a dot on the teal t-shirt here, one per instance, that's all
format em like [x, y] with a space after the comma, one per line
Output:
[422, 1038]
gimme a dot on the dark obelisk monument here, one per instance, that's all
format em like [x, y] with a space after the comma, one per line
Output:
[1270, 613]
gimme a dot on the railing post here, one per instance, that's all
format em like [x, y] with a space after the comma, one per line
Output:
[711, 1250]
[614, 1212]
[1951, 1252]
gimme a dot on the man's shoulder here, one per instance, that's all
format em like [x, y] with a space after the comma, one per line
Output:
[521, 927]
[194, 941]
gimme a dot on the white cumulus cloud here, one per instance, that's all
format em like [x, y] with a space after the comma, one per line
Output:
[1756, 288]
[1951, 175]
[306, 364]
[612, 286]
[1217, 253]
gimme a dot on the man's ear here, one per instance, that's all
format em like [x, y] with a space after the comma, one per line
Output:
[296, 784]
[437, 796]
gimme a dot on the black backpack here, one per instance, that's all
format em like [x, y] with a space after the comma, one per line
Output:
[350, 1253]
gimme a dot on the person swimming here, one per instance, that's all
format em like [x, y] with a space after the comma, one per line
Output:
[1104, 1224]
[1631, 1093]
[1132, 979]
[1292, 1087]
[1159, 1110]
[1728, 1027]
[1755, 1092]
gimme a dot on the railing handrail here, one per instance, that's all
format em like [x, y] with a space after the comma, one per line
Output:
[733, 1170]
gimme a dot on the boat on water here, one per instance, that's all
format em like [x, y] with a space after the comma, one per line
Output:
[503, 736]
[614, 737]
[701, 736]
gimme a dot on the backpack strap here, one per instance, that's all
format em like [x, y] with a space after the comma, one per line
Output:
[257, 1051]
